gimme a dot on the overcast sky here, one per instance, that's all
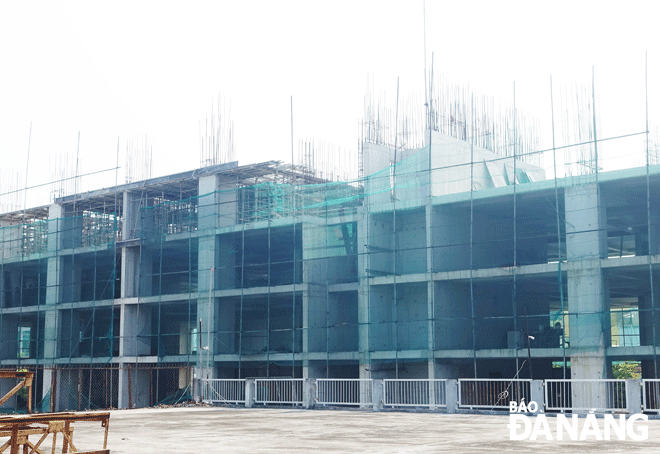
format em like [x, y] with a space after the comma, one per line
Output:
[124, 69]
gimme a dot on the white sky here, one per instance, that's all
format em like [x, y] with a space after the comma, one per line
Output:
[126, 68]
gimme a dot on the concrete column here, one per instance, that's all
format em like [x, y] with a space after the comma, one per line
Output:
[124, 398]
[430, 225]
[306, 348]
[250, 392]
[378, 394]
[430, 297]
[207, 265]
[365, 370]
[451, 395]
[430, 325]
[142, 388]
[315, 321]
[134, 340]
[634, 396]
[134, 391]
[207, 203]
[309, 393]
[130, 256]
[586, 244]
[314, 296]
[363, 296]
[537, 394]
[130, 227]
[135, 330]
[53, 296]
[208, 312]
[130, 271]
[52, 319]
[197, 389]
[431, 376]
[586, 218]
[588, 313]
[227, 203]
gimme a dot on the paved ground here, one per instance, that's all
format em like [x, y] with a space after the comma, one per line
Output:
[237, 430]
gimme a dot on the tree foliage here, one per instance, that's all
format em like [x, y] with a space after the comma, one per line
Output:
[627, 369]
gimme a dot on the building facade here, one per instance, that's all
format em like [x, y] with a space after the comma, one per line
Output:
[447, 261]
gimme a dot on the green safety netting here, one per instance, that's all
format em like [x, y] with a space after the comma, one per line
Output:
[180, 395]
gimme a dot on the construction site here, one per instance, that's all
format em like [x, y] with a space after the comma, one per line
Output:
[450, 246]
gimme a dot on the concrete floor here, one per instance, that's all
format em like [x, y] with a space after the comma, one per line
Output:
[237, 430]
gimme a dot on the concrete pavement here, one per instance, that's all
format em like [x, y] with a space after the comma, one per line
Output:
[269, 430]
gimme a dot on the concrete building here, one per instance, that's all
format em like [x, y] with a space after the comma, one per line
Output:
[446, 261]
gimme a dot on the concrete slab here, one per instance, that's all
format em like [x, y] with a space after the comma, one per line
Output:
[237, 430]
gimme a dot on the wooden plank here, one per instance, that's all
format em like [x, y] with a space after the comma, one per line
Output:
[28, 378]
[41, 440]
[4, 447]
[14, 440]
[14, 373]
[47, 417]
[13, 391]
[18, 428]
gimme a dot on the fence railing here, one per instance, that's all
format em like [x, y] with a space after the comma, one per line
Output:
[344, 391]
[586, 395]
[492, 394]
[599, 396]
[651, 395]
[414, 393]
[231, 391]
[279, 391]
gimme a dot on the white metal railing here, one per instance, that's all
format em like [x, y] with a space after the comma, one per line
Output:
[344, 391]
[491, 393]
[414, 393]
[586, 395]
[651, 394]
[230, 391]
[279, 391]
[582, 395]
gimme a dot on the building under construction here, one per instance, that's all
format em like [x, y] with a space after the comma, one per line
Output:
[458, 257]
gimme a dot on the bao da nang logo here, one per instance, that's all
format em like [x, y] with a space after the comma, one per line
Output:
[523, 427]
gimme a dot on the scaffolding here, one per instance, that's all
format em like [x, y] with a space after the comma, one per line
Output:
[460, 250]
